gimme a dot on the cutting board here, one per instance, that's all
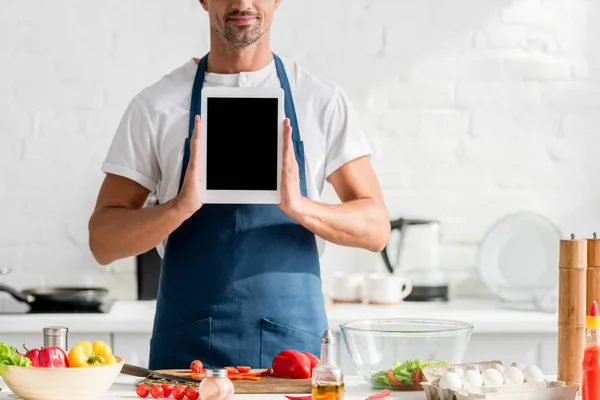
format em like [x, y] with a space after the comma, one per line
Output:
[268, 384]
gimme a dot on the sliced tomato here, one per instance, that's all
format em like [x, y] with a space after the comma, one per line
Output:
[243, 369]
[231, 370]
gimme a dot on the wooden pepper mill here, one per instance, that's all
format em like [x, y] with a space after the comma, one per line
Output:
[593, 272]
[571, 308]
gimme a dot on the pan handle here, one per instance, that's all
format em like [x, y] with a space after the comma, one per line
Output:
[20, 296]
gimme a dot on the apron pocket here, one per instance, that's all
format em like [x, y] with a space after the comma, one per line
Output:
[177, 347]
[275, 338]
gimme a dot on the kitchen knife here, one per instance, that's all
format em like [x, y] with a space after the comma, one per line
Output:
[134, 370]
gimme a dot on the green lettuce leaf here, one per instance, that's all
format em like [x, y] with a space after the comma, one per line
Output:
[404, 372]
[10, 356]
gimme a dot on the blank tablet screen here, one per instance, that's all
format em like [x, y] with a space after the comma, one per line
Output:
[241, 149]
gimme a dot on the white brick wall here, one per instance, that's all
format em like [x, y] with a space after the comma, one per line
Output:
[475, 109]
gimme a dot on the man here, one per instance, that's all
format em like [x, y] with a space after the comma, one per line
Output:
[239, 283]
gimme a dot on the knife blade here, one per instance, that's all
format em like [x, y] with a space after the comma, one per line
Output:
[134, 370]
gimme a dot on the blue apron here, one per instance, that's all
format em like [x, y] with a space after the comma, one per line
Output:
[239, 283]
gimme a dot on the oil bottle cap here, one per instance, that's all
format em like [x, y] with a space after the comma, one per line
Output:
[592, 321]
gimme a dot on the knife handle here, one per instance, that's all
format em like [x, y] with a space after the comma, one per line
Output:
[134, 370]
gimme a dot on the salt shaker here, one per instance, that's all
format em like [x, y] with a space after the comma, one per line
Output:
[56, 336]
[216, 385]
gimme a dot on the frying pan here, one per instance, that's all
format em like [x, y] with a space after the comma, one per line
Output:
[58, 298]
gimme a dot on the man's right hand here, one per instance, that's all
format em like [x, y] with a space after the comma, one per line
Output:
[188, 199]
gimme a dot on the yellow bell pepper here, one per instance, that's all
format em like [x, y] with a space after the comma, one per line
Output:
[87, 354]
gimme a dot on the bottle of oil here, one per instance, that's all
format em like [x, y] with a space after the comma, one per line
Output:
[327, 377]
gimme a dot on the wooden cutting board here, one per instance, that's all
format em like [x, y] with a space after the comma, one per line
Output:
[267, 385]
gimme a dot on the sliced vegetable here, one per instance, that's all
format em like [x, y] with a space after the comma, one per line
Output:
[10, 356]
[48, 357]
[381, 395]
[243, 370]
[405, 376]
[231, 370]
[241, 377]
[265, 372]
[291, 364]
[87, 354]
[299, 397]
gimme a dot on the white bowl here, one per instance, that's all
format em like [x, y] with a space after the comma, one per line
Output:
[61, 383]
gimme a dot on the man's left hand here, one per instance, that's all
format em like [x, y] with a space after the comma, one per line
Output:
[291, 197]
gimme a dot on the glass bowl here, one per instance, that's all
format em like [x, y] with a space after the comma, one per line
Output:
[390, 353]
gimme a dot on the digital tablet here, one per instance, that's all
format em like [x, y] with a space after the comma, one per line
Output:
[242, 145]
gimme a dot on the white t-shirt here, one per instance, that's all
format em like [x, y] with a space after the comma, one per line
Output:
[148, 144]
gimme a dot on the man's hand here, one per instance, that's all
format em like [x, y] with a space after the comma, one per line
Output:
[291, 197]
[188, 199]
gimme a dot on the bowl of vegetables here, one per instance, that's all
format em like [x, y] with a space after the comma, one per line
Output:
[86, 372]
[391, 353]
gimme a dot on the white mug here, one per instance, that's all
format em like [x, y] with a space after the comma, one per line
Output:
[347, 288]
[386, 288]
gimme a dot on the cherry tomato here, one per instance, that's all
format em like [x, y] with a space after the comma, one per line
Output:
[243, 370]
[167, 389]
[196, 366]
[157, 391]
[192, 393]
[179, 392]
[142, 390]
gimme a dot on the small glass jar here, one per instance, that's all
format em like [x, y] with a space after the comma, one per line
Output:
[216, 385]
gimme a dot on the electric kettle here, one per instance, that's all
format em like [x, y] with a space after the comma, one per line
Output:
[416, 246]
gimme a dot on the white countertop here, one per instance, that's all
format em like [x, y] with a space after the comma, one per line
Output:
[138, 317]
[356, 389]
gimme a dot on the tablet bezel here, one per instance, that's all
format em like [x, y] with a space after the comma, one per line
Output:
[241, 196]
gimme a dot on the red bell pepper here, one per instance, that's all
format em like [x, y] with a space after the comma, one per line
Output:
[291, 364]
[48, 357]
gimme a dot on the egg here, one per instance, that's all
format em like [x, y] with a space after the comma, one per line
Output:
[492, 378]
[513, 375]
[458, 371]
[501, 368]
[533, 373]
[450, 380]
[519, 365]
[471, 379]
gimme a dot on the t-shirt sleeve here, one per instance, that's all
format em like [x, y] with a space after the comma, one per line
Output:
[346, 140]
[132, 152]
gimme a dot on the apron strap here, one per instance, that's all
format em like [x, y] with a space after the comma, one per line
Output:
[290, 112]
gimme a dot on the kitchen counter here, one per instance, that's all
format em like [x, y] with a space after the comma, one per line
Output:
[138, 317]
[356, 389]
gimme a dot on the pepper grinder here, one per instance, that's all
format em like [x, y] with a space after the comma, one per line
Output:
[571, 308]
[56, 336]
[593, 271]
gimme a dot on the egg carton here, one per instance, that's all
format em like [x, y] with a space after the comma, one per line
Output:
[546, 390]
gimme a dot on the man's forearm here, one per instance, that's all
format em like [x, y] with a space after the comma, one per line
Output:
[360, 223]
[117, 232]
